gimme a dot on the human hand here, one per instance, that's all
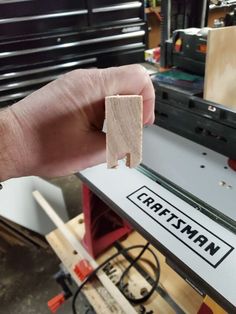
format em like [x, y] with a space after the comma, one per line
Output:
[56, 130]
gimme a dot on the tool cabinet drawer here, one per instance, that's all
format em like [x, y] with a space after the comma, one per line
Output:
[117, 13]
[21, 8]
[43, 23]
[40, 49]
[21, 81]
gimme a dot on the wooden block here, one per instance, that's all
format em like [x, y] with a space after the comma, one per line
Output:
[220, 72]
[124, 123]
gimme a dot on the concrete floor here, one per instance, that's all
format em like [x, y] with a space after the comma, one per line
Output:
[26, 282]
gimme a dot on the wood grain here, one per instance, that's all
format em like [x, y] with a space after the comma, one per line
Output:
[220, 72]
[65, 252]
[124, 123]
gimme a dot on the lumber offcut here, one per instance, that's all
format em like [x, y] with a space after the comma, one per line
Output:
[220, 72]
[124, 123]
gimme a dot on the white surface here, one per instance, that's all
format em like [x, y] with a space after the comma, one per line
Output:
[120, 183]
[17, 203]
[180, 160]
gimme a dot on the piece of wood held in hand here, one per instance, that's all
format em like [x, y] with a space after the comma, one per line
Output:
[124, 126]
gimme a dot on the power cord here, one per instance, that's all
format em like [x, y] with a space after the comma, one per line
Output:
[120, 283]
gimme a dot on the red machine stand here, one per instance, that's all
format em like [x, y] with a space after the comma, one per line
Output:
[232, 164]
[102, 225]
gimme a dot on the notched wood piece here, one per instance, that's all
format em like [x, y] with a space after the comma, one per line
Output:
[124, 123]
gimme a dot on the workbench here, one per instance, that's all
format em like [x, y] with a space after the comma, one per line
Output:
[173, 294]
[182, 200]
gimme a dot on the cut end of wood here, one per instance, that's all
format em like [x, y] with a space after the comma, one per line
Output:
[112, 165]
[129, 162]
[132, 160]
[124, 121]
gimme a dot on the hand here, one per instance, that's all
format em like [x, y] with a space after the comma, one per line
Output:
[56, 130]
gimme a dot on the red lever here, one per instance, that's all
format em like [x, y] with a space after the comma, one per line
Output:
[56, 302]
[232, 164]
[83, 269]
[205, 309]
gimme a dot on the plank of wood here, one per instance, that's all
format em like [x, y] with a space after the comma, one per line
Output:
[124, 123]
[23, 235]
[65, 252]
[81, 253]
[220, 72]
[12, 237]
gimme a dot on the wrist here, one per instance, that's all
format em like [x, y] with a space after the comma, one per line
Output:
[10, 145]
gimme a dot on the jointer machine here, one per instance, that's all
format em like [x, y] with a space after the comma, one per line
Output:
[182, 198]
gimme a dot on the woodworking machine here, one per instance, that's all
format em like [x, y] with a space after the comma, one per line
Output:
[180, 106]
[182, 198]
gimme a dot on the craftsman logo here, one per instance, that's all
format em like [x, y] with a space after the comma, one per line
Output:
[196, 237]
[131, 29]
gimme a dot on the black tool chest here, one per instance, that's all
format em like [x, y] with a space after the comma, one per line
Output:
[180, 106]
[39, 40]
[187, 114]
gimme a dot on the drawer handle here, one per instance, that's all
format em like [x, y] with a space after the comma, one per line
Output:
[73, 44]
[42, 16]
[13, 1]
[28, 83]
[45, 69]
[15, 96]
[125, 6]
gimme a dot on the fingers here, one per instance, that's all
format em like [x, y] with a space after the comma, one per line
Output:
[86, 90]
[90, 87]
[131, 79]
